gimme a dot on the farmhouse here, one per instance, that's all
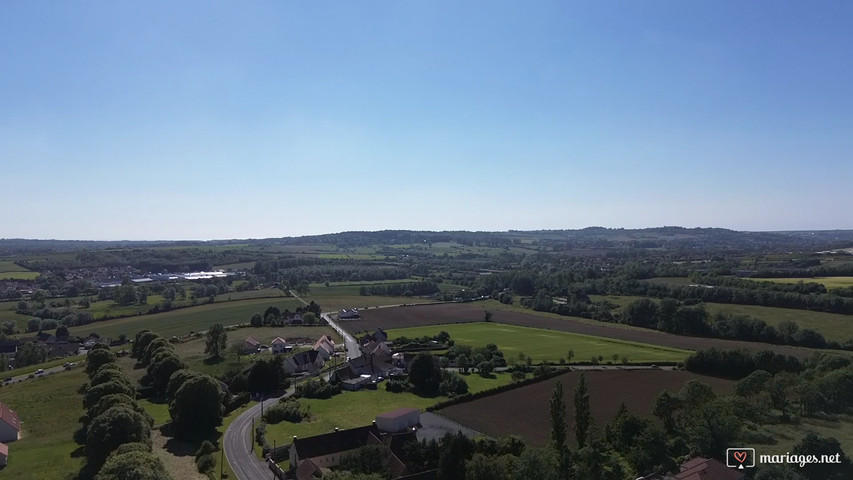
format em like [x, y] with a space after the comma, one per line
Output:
[292, 318]
[309, 456]
[10, 426]
[325, 346]
[251, 345]
[304, 362]
[279, 345]
[4, 454]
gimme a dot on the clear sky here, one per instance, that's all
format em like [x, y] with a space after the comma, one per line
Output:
[203, 120]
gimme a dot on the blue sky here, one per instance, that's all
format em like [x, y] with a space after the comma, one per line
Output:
[203, 120]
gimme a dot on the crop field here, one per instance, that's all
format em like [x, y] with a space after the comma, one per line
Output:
[452, 313]
[186, 320]
[545, 345]
[336, 297]
[12, 271]
[524, 411]
[828, 282]
[833, 326]
[671, 281]
[46, 449]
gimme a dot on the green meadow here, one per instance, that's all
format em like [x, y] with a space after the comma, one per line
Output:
[48, 409]
[185, 320]
[545, 345]
[833, 326]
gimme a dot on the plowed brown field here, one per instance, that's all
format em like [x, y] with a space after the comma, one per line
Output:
[524, 411]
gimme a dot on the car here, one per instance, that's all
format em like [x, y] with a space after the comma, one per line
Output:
[39, 371]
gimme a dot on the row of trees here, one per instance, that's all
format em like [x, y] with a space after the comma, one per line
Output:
[115, 430]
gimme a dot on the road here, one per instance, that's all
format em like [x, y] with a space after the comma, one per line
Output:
[352, 345]
[239, 442]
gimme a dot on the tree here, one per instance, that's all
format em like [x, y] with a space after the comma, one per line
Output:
[462, 363]
[641, 313]
[538, 463]
[665, 407]
[753, 383]
[482, 467]
[62, 331]
[487, 316]
[216, 341]
[177, 379]
[559, 428]
[94, 394]
[812, 444]
[161, 371]
[118, 425]
[96, 358]
[154, 347]
[257, 320]
[365, 460]
[425, 374]
[583, 414]
[141, 341]
[133, 465]
[455, 451]
[309, 318]
[197, 407]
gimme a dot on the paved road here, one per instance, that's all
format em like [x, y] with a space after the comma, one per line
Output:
[239, 442]
[352, 345]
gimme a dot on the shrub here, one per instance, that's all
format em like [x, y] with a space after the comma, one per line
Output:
[285, 410]
[397, 386]
[316, 388]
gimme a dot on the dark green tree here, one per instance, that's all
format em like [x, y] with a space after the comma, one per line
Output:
[116, 426]
[197, 408]
[216, 341]
[583, 414]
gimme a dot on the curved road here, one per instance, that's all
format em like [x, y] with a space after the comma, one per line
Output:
[239, 440]
[240, 435]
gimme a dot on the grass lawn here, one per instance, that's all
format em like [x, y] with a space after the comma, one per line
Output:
[159, 411]
[186, 320]
[48, 408]
[355, 409]
[545, 345]
[9, 266]
[833, 326]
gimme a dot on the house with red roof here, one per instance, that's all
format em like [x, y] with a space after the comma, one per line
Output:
[10, 426]
[4, 454]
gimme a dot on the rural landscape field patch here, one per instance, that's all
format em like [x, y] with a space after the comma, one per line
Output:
[524, 411]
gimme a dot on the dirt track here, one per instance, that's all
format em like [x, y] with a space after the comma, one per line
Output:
[414, 316]
[524, 411]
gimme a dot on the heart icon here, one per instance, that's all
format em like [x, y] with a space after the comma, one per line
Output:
[740, 456]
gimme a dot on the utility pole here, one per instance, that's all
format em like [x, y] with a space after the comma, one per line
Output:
[222, 458]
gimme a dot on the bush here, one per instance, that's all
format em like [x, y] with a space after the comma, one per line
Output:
[397, 386]
[316, 388]
[205, 463]
[285, 410]
[452, 384]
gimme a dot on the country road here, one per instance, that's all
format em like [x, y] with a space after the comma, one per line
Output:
[239, 443]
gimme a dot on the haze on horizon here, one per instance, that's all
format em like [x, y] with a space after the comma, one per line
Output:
[216, 120]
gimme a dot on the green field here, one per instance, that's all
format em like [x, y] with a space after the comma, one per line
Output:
[186, 320]
[13, 271]
[48, 408]
[355, 409]
[335, 297]
[828, 282]
[545, 345]
[833, 326]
